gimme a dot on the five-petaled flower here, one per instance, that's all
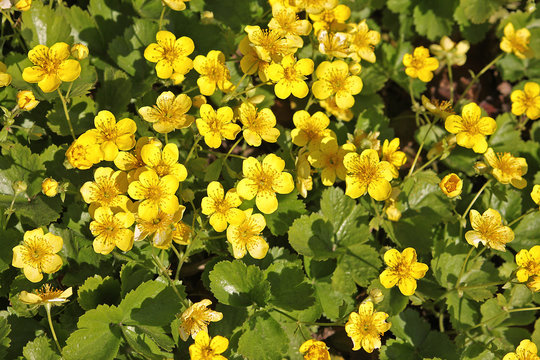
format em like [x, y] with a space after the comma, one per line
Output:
[246, 236]
[329, 157]
[526, 350]
[420, 64]
[314, 350]
[471, 128]
[205, 348]
[163, 162]
[113, 136]
[516, 41]
[111, 230]
[222, 208]
[527, 101]
[170, 54]
[216, 125]
[451, 185]
[47, 296]
[391, 153]
[196, 318]
[507, 169]
[258, 125]
[107, 189]
[403, 270]
[213, 73]
[289, 76]
[363, 42]
[488, 230]
[84, 152]
[365, 173]
[310, 129]
[366, 327]
[528, 262]
[334, 79]
[169, 113]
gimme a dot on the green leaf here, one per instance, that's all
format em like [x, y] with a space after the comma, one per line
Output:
[362, 262]
[132, 275]
[234, 283]
[474, 33]
[434, 18]
[463, 312]
[408, 326]
[115, 93]
[40, 349]
[478, 11]
[526, 232]
[97, 290]
[509, 207]
[81, 113]
[43, 25]
[374, 78]
[263, 332]
[289, 287]
[506, 137]
[290, 208]
[143, 344]
[5, 330]
[21, 164]
[213, 170]
[312, 236]
[492, 313]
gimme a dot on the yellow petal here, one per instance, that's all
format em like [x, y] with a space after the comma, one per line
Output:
[51, 263]
[407, 286]
[266, 201]
[33, 274]
[388, 278]
[49, 83]
[69, 70]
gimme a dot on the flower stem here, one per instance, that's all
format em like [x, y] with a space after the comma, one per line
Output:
[374, 204]
[451, 80]
[161, 17]
[48, 310]
[521, 217]
[462, 271]
[414, 103]
[164, 271]
[426, 164]
[475, 198]
[420, 148]
[197, 139]
[10, 210]
[66, 112]
[7, 15]
[232, 148]
[477, 76]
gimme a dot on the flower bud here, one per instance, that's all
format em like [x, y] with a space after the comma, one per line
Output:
[5, 78]
[187, 195]
[198, 101]
[393, 213]
[451, 185]
[376, 295]
[23, 5]
[355, 68]
[79, 51]
[49, 187]
[207, 17]
[480, 167]
[19, 186]
[26, 100]
[177, 78]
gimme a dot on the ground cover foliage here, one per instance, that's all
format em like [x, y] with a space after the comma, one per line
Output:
[257, 179]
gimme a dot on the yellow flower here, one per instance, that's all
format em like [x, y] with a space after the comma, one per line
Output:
[5, 78]
[176, 5]
[420, 65]
[310, 129]
[363, 42]
[182, 233]
[527, 101]
[528, 262]
[250, 62]
[316, 6]
[449, 52]
[333, 78]
[84, 152]
[205, 348]
[113, 136]
[333, 44]
[285, 20]
[216, 125]
[196, 318]
[47, 296]
[162, 228]
[246, 236]
[366, 174]
[258, 125]
[155, 194]
[111, 230]
[488, 230]
[304, 181]
[333, 19]
[23, 5]
[366, 327]
[107, 190]
[163, 162]
[390, 209]
[290, 76]
[132, 160]
[49, 187]
[535, 194]
[222, 208]
[441, 109]
[26, 100]
[170, 54]
[403, 270]
[525, 351]
[507, 169]
[271, 45]
[79, 51]
[471, 128]
[314, 350]
[329, 157]
[362, 140]
[169, 113]
[51, 67]
[516, 41]
[38, 254]
[213, 72]
[331, 108]
[264, 180]
[391, 153]
[451, 185]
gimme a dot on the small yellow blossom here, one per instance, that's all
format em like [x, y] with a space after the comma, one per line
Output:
[304, 181]
[163, 162]
[222, 208]
[329, 157]
[258, 125]
[161, 228]
[217, 125]
[169, 113]
[113, 136]
[47, 296]
[156, 193]
[450, 52]
[365, 173]
[26, 100]
[366, 327]
[170, 54]
[331, 108]
[196, 318]
[84, 152]
[516, 41]
[23, 5]
[363, 41]
[527, 101]
[213, 73]
[205, 348]
[111, 230]
[316, 6]
[451, 185]
[176, 5]
[38, 254]
[79, 51]
[403, 270]
[107, 190]
[5, 78]
[390, 207]
[442, 109]
[264, 181]
[362, 140]
[528, 262]
[246, 236]
[420, 65]
[250, 62]
[471, 128]
[314, 350]
[526, 350]
[182, 233]
[51, 67]
[333, 78]
[391, 153]
[271, 45]
[49, 187]
[132, 160]
[198, 101]
[310, 129]
[507, 169]
[285, 20]
[488, 230]
[535, 194]
[333, 19]
[290, 76]
[333, 44]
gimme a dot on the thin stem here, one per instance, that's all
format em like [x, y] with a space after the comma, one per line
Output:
[66, 112]
[232, 148]
[475, 198]
[525, 309]
[48, 310]
[521, 217]
[462, 271]
[310, 102]
[221, 154]
[7, 15]
[254, 87]
[420, 148]
[10, 210]
[161, 17]
[197, 139]
[166, 138]
[179, 256]
[476, 76]
[184, 257]
[479, 253]
[414, 102]
[451, 80]
[190, 90]
[374, 204]
[479, 286]
[69, 90]
[164, 271]
[426, 164]
[502, 313]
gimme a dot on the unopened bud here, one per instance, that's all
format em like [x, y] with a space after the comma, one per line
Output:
[198, 101]
[376, 295]
[23, 5]
[177, 78]
[19, 186]
[26, 100]
[187, 195]
[79, 51]
[480, 167]
[355, 68]
[393, 213]
[49, 187]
